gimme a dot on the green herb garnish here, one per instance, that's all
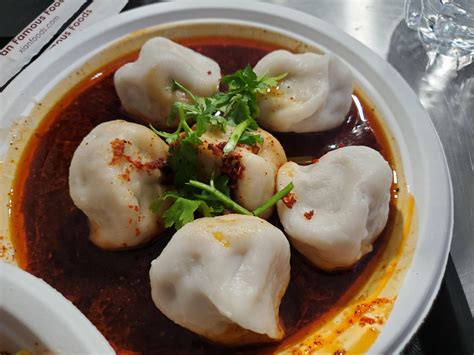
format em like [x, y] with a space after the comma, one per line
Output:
[234, 106]
[237, 107]
[273, 200]
[225, 200]
[236, 135]
[212, 200]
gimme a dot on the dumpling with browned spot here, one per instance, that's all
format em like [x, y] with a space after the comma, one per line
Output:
[338, 207]
[223, 278]
[252, 169]
[314, 96]
[114, 175]
[145, 87]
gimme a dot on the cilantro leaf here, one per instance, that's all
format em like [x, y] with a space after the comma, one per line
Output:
[175, 86]
[221, 183]
[183, 209]
[244, 79]
[169, 137]
[201, 125]
[157, 203]
[243, 87]
[187, 202]
[180, 212]
[265, 82]
[241, 110]
[182, 159]
[218, 121]
[250, 139]
[182, 153]
[225, 200]
[237, 106]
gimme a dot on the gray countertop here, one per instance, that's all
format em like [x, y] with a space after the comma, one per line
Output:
[447, 95]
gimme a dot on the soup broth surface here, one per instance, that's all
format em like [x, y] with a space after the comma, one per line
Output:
[112, 288]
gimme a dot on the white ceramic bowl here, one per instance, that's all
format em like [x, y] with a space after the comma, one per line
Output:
[419, 148]
[36, 317]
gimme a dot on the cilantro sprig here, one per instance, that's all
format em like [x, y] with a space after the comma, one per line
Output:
[209, 203]
[237, 107]
[219, 196]
[243, 87]
[234, 106]
[182, 154]
[236, 134]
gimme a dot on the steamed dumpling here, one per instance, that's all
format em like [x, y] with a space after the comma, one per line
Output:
[144, 87]
[338, 207]
[252, 170]
[224, 278]
[113, 178]
[316, 94]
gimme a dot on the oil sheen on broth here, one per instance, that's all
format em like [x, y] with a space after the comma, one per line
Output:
[112, 288]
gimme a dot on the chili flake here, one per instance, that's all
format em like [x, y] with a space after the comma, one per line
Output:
[308, 215]
[289, 200]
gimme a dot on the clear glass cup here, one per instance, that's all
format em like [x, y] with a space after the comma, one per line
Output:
[412, 14]
[444, 26]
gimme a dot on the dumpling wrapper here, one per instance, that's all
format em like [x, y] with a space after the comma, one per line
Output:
[223, 278]
[145, 86]
[113, 178]
[315, 96]
[341, 205]
[253, 169]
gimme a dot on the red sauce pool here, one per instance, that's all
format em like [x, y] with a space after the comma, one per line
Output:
[112, 288]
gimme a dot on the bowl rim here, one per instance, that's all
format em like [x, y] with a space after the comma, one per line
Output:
[429, 262]
[57, 323]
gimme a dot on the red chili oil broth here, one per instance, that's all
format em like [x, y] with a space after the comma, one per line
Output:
[112, 288]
